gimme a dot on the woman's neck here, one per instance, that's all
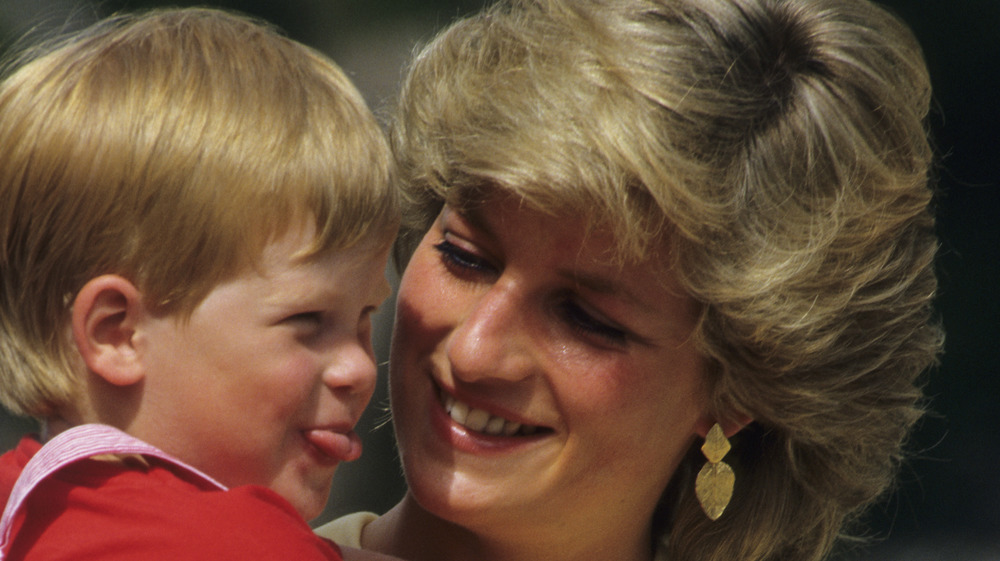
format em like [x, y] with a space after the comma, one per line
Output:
[410, 532]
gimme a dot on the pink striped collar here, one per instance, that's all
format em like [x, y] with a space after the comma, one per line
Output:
[76, 444]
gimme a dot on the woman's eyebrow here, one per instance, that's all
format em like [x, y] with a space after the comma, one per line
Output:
[602, 285]
[475, 216]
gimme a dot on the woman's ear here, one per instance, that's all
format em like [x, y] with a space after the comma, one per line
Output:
[105, 314]
[730, 425]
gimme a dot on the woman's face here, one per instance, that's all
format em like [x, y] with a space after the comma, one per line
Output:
[536, 384]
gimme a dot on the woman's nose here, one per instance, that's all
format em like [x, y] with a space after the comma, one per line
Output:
[494, 338]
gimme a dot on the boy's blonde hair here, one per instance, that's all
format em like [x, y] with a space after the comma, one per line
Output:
[778, 148]
[168, 148]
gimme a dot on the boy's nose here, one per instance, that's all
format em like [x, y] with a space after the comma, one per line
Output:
[352, 370]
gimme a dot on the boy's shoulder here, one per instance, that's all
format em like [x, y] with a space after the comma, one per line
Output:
[139, 508]
[12, 463]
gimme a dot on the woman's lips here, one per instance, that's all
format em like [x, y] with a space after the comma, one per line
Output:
[337, 446]
[482, 421]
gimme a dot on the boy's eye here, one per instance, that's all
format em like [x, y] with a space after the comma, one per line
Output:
[306, 326]
[305, 319]
[463, 261]
[307, 316]
[585, 323]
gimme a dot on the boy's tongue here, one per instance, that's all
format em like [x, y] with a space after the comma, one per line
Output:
[338, 446]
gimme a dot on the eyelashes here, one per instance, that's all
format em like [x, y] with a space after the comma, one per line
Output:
[587, 324]
[462, 261]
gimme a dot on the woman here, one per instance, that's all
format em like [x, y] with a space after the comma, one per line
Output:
[641, 228]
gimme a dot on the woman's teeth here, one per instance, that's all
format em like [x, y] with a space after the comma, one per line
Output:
[481, 421]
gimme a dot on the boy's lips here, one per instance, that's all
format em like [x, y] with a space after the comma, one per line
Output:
[335, 445]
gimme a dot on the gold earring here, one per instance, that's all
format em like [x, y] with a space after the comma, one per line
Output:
[714, 485]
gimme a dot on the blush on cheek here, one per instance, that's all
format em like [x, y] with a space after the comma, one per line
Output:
[615, 384]
[411, 305]
[294, 385]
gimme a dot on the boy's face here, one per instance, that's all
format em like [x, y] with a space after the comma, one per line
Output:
[266, 380]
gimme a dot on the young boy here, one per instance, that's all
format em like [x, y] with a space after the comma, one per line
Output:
[195, 223]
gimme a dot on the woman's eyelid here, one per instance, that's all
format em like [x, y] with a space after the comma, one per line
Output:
[457, 241]
[466, 233]
[460, 260]
[625, 330]
[600, 316]
[597, 318]
[459, 251]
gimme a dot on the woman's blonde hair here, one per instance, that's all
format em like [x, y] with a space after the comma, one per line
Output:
[779, 148]
[170, 148]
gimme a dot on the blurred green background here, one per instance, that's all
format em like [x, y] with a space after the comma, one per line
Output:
[948, 504]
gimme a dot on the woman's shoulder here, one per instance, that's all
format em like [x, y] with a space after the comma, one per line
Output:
[347, 529]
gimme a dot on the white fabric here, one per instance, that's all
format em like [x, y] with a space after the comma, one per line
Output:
[347, 530]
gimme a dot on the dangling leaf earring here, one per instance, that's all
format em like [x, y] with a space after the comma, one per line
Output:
[714, 485]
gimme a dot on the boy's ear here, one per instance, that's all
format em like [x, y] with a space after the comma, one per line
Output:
[105, 314]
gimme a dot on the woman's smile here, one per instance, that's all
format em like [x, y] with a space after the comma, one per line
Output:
[480, 428]
[482, 421]
[530, 369]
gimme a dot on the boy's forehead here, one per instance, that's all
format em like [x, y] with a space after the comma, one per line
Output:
[302, 245]
[286, 277]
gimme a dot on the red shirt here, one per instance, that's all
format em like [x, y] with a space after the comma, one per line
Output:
[145, 509]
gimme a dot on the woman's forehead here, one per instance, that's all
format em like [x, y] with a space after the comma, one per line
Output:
[635, 236]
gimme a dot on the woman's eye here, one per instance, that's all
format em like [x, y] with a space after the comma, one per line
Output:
[459, 259]
[583, 322]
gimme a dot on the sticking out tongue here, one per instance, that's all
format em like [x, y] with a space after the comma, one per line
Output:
[337, 446]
